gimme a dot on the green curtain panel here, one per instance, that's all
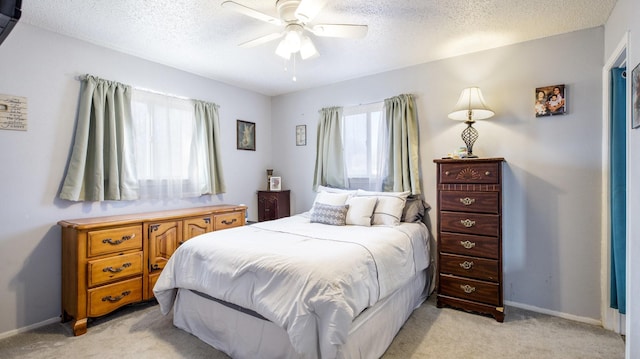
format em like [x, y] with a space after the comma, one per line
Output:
[208, 123]
[101, 165]
[618, 184]
[403, 164]
[329, 169]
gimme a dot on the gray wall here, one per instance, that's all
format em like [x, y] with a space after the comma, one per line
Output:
[44, 67]
[624, 19]
[553, 172]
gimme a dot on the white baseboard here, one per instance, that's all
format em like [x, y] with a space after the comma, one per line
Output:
[29, 327]
[554, 313]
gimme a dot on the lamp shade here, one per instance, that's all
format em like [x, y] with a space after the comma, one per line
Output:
[471, 106]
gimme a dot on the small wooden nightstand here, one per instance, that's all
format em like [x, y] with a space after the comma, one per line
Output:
[470, 235]
[273, 205]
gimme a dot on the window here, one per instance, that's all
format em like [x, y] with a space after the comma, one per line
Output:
[170, 160]
[364, 146]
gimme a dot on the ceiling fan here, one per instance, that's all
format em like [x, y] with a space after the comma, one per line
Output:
[296, 16]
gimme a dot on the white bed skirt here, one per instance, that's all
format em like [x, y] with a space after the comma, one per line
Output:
[241, 335]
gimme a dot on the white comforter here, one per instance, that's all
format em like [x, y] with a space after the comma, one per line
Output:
[310, 279]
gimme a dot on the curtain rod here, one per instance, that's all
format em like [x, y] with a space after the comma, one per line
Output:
[161, 93]
[83, 77]
[379, 101]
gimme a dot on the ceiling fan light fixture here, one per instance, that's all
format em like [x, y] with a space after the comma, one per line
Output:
[307, 49]
[293, 38]
[283, 50]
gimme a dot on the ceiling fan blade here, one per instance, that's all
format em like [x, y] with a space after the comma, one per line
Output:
[232, 5]
[308, 9]
[261, 40]
[340, 30]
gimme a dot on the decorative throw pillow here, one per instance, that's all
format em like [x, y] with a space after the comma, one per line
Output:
[328, 214]
[389, 208]
[414, 209]
[360, 210]
[334, 199]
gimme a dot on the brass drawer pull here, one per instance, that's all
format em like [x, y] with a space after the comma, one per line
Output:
[227, 222]
[447, 173]
[467, 223]
[487, 173]
[466, 265]
[467, 288]
[117, 270]
[467, 201]
[115, 243]
[467, 244]
[116, 299]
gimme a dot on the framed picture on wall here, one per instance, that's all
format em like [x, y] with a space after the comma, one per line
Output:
[550, 100]
[635, 97]
[301, 135]
[246, 135]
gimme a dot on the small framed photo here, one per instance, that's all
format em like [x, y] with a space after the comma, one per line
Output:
[550, 101]
[246, 135]
[275, 184]
[301, 135]
[635, 97]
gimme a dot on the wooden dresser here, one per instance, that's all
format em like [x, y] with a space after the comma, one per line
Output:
[108, 262]
[273, 205]
[470, 235]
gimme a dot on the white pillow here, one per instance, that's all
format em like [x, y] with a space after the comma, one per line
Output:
[389, 208]
[333, 199]
[360, 210]
[335, 190]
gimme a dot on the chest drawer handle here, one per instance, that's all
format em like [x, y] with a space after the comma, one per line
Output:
[227, 222]
[467, 223]
[466, 265]
[115, 243]
[116, 299]
[467, 201]
[467, 244]
[487, 173]
[467, 288]
[117, 270]
[447, 173]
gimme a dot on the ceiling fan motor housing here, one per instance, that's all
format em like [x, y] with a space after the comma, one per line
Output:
[287, 9]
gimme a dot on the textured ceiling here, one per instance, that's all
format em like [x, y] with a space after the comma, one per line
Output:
[201, 37]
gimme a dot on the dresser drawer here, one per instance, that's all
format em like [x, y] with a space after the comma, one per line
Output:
[484, 173]
[114, 240]
[472, 223]
[227, 220]
[473, 267]
[482, 202]
[108, 269]
[470, 289]
[476, 246]
[105, 299]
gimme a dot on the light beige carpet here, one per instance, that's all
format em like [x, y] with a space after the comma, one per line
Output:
[142, 332]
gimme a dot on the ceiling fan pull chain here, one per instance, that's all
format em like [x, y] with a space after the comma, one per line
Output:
[294, 68]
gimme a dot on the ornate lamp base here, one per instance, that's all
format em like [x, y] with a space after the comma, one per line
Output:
[469, 136]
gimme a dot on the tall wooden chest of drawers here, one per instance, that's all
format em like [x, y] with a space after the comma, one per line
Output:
[108, 262]
[273, 205]
[470, 235]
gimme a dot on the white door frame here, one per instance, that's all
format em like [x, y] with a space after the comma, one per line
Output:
[611, 318]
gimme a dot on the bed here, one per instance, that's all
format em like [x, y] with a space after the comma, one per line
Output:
[303, 286]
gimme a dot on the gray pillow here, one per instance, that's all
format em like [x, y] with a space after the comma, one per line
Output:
[329, 214]
[414, 210]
